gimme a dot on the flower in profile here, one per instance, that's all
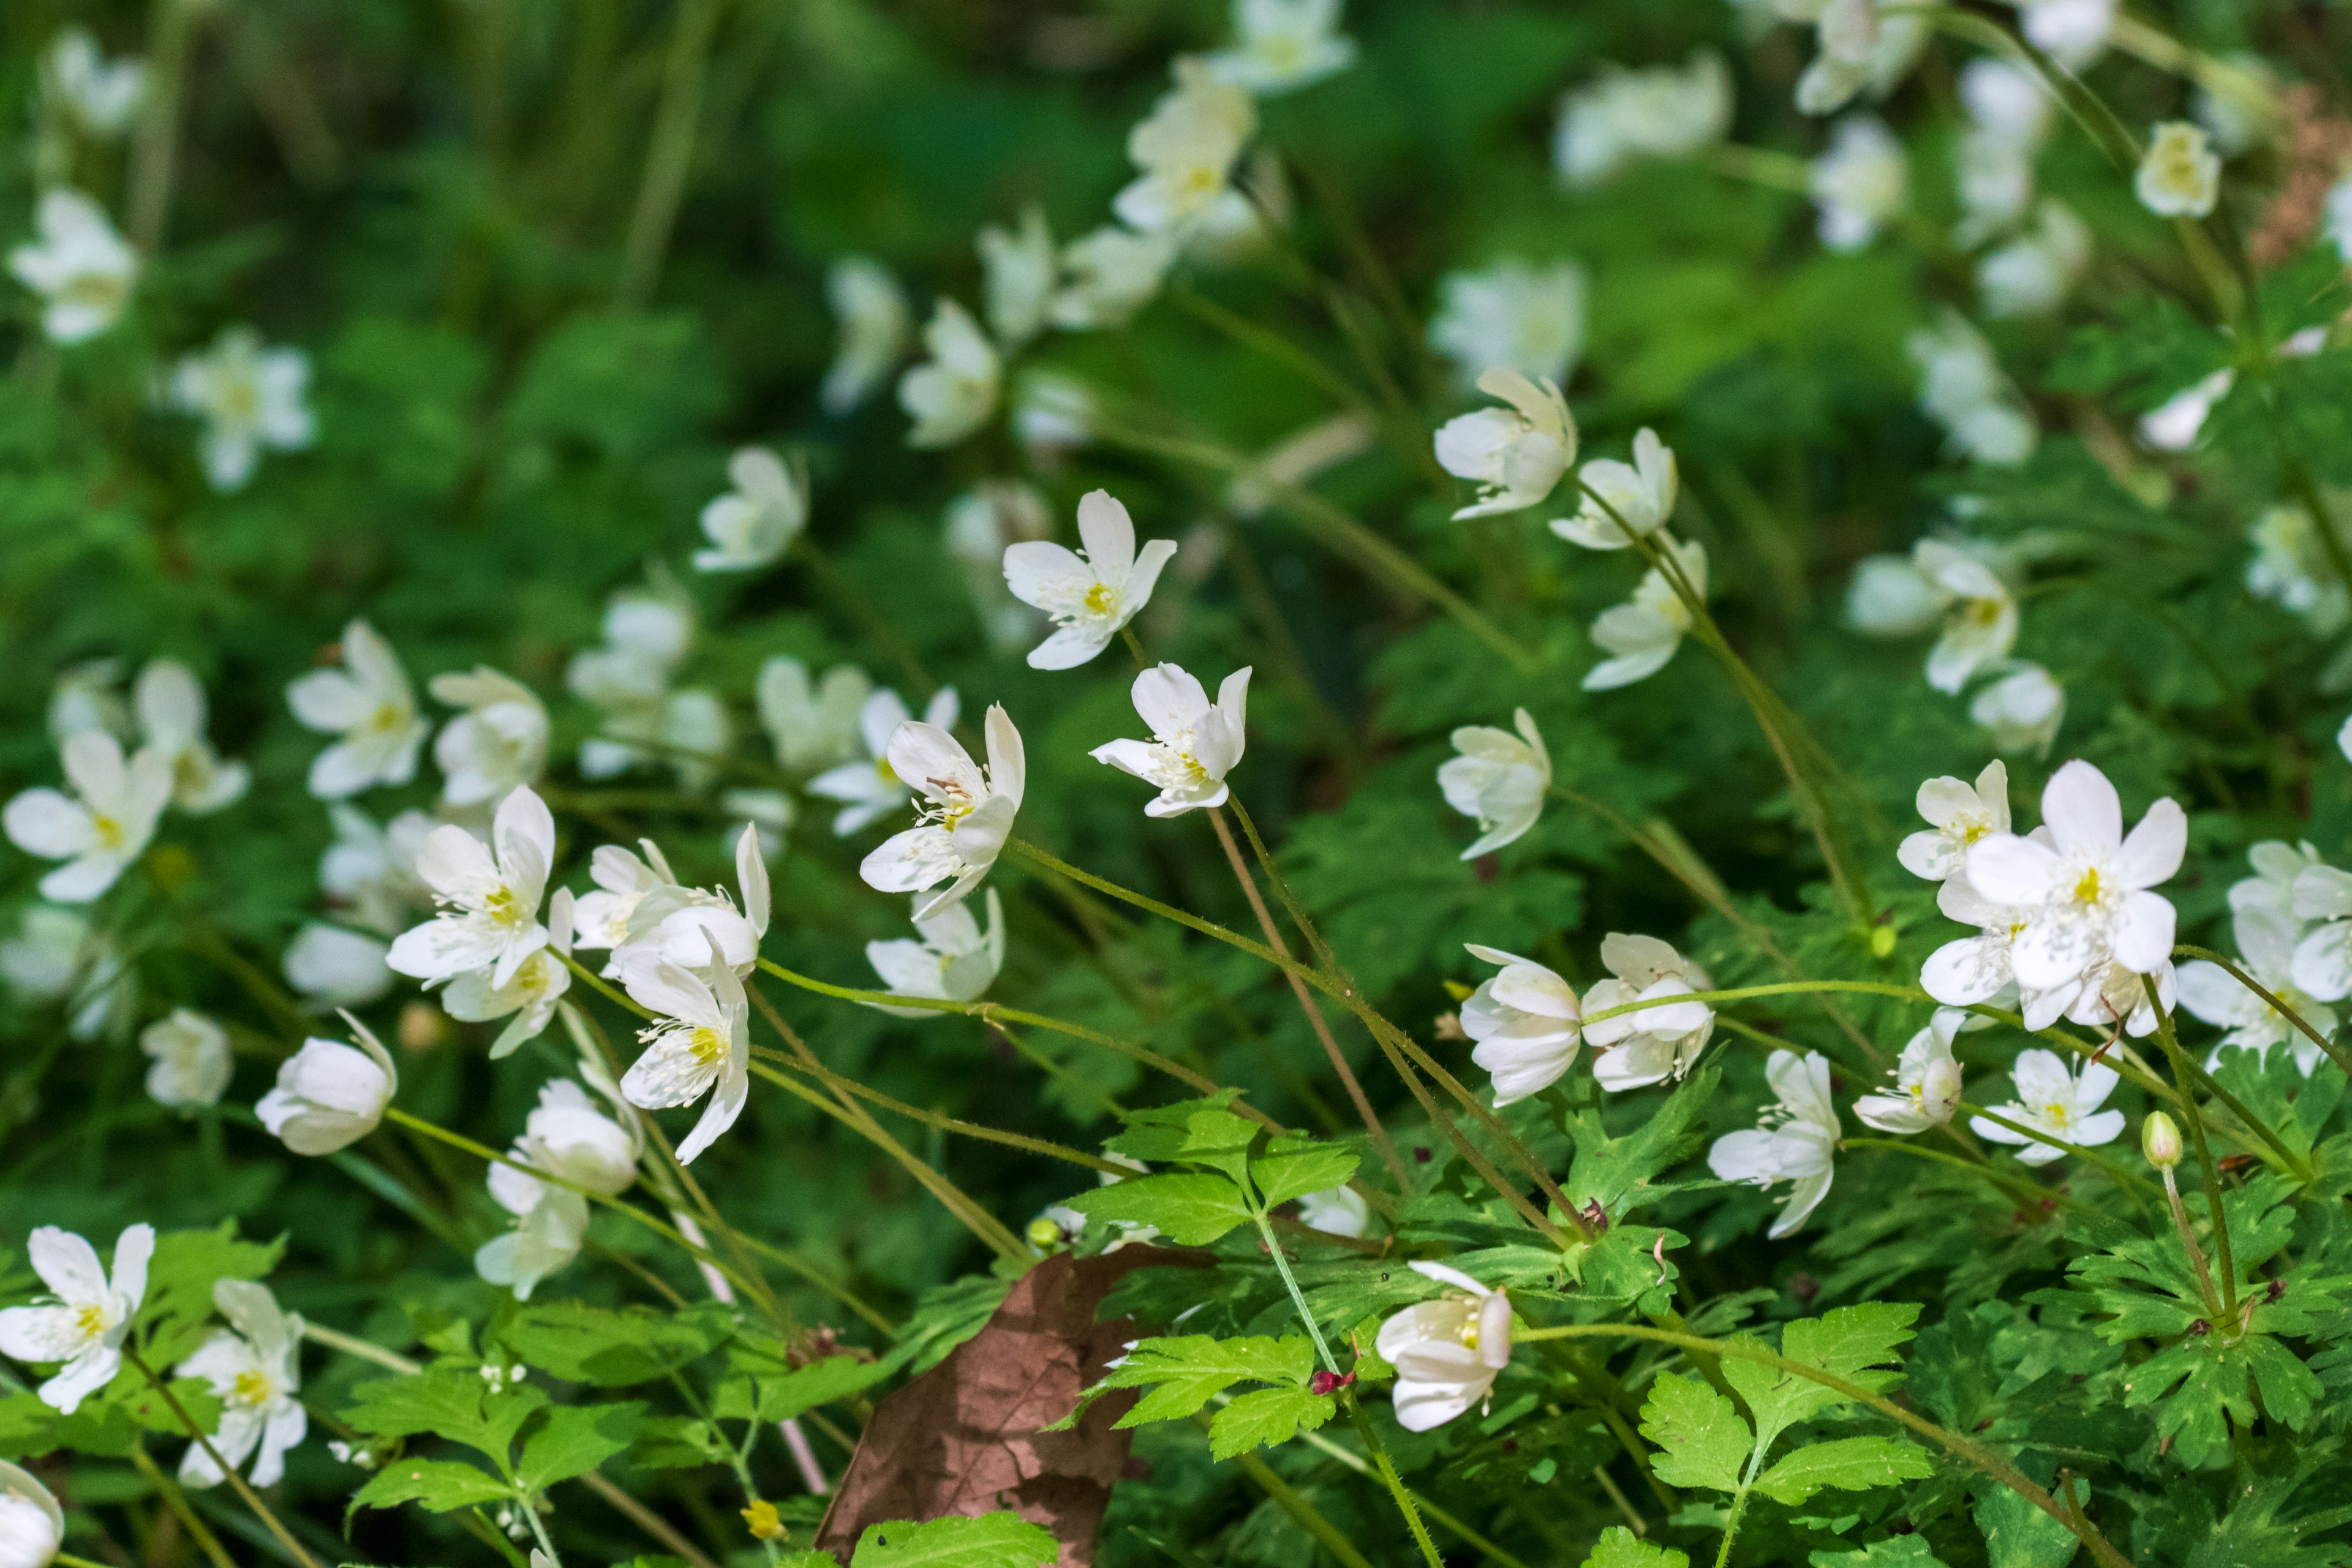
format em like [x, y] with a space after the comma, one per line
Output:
[529, 998]
[100, 828]
[1858, 183]
[1336, 1211]
[1642, 635]
[2174, 425]
[496, 746]
[1888, 598]
[370, 870]
[966, 812]
[1795, 1139]
[866, 787]
[1622, 117]
[173, 719]
[2181, 175]
[2266, 947]
[1865, 46]
[249, 397]
[332, 967]
[1110, 274]
[2321, 965]
[102, 97]
[950, 394]
[1624, 501]
[1447, 1352]
[192, 1061]
[756, 522]
[32, 1526]
[1957, 814]
[80, 267]
[680, 924]
[1652, 1043]
[85, 696]
[1089, 594]
[2022, 709]
[369, 704]
[83, 1321]
[1018, 270]
[570, 1138]
[1927, 1084]
[1526, 1024]
[2071, 31]
[2276, 864]
[601, 919]
[699, 1042]
[1281, 46]
[953, 961]
[490, 897]
[1185, 149]
[1981, 618]
[45, 960]
[1515, 316]
[2057, 1104]
[1499, 779]
[874, 319]
[256, 1371]
[1054, 416]
[812, 724]
[328, 1094]
[1195, 742]
[1514, 454]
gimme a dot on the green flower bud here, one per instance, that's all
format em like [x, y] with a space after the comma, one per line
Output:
[2160, 1140]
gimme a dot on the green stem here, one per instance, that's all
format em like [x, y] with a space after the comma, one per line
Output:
[1354, 1462]
[946, 1123]
[1285, 1498]
[1290, 1283]
[175, 1498]
[2130, 1184]
[670, 155]
[2220, 1218]
[2196, 1253]
[251, 1498]
[1776, 988]
[1390, 1478]
[171, 30]
[2010, 1187]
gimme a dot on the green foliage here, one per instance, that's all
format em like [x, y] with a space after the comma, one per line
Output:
[989, 1541]
[1183, 1374]
[1621, 1548]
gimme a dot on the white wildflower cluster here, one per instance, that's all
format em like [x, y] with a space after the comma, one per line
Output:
[649, 633]
[1528, 1023]
[1965, 590]
[2292, 922]
[1861, 46]
[1962, 388]
[1624, 117]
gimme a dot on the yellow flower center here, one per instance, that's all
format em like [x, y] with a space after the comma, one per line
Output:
[1983, 612]
[91, 1319]
[1098, 599]
[250, 1388]
[388, 717]
[238, 399]
[102, 290]
[707, 1045]
[501, 907]
[2086, 891]
[108, 832]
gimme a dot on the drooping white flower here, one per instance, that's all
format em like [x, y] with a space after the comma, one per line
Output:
[2022, 709]
[571, 1137]
[2089, 886]
[32, 1526]
[756, 522]
[1336, 1211]
[332, 967]
[103, 97]
[80, 267]
[2266, 945]
[1649, 1045]
[529, 998]
[86, 1316]
[1185, 149]
[1109, 274]
[1639, 497]
[1641, 635]
[981, 524]
[1195, 742]
[496, 746]
[99, 829]
[2008, 119]
[192, 1061]
[1514, 454]
[874, 319]
[950, 394]
[2031, 275]
[249, 398]
[256, 1371]
[2292, 570]
[813, 724]
[1858, 183]
[1957, 814]
[1526, 1024]
[953, 961]
[1795, 1139]
[2181, 175]
[966, 812]
[1089, 594]
[866, 786]
[1981, 620]
[371, 872]
[1927, 1082]
[2057, 1104]
[2071, 31]
[171, 719]
[1865, 46]
[1281, 46]
[1622, 117]
[1889, 598]
[371, 705]
[1515, 316]
[1447, 1352]
[1962, 389]
[699, 1042]
[328, 1094]
[681, 925]
[1499, 779]
[1018, 269]
[489, 896]
[601, 919]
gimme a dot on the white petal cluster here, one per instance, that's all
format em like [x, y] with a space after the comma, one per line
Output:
[1514, 455]
[2290, 568]
[949, 959]
[256, 1371]
[1858, 183]
[490, 897]
[2181, 175]
[1624, 501]
[866, 786]
[80, 267]
[1281, 46]
[2022, 709]
[699, 1043]
[2057, 1104]
[1336, 1211]
[1195, 742]
[1928, 1081]
[1961, 388]
[2270, 925]
[103, 825]
[2321, 964]
[498, 744]
[2071, 31]
[174, 719]
[1525, 1022]
[249, 397]
[570, 1137]
[1622, 117]
[2009, 115]
[1110, 274]
[58, 956]
[191, 1056]
[965, 812]
[648, 634]
[32, 1526]
[369, 703]
[102, 97]
[1515, 316]
[1185, 149]
[1864, 46]
[951, 393]
[1795, 1138]
[1089, 594]
[756, 520]
[332, 966]
[1499, 780]
[874, 321]
[86, 1316]
[2033, 274]
[1653, 1043]
[1447, 1352]
[328, 1094]
[1642, 635]
[1018, 270]
[813, 723]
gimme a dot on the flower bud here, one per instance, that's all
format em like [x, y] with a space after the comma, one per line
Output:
[2160, 1140]
[1494, 1329]
[1939, 1090]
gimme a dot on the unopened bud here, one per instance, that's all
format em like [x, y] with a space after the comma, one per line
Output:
[763, 1522]
[2160, 1140]
[1941, 1088]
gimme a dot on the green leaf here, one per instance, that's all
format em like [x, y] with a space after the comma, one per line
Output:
[1265, 1417]
[2018, 1535]
[178, 1311]
[575, 1439]
[992, 1540]
[1854, 1464]
[582, 1343]
[1848, 1343]
[1184, 1373]
[1701, 1438]
[819, 1382]
[1621, 1548]
[1191, 1209]
[676, 1443]
[1619, 1174]
[1163, 1131]
[29, 1429]
[446, 1401]
[1293, 1167]
[1894, 1552]
[440, 1485]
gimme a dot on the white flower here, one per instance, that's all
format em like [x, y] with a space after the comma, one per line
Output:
[1862, 47]
[2181, 175]
[85, 1318]
[530, 998]
[1957, 814]
[954, 961]
[1980, 627]
[1514, 454]
[372, 870]
[755, 522]
[1336, 1211]
[191, 1058]
[679, 924]
[874, 323]
[330, 1095]
[2088, 887]
[498, 744]
[44, 958]
[2270, 888]
[1622, 116]
[978, 526]
[2030, 276]
[2266, 943]
[1926, 1081]
[966, 812]
[2072, 32]
[1281, 46]
[570, 1137]
[1194, 743]
[1110, 274]
[80, 267]
[2321, 965]
[1975, 969]
[249, 397]
[256, 1373]
[1641, 635]
[2291, 569]
[2057, 1104]
[602, 919]
[2109, 995]
[1640, 497]
[1962, 389]
[371, 705]
[1515, 316]
[171, 717]
[332, 967]
[490, 913]
[812, 724]
[2173, 424]
[32, 1526]
[1889, 598]
[2022, 709]
[950, 394]
[700, 1043]
[1052, 415]
[1018, 269]
[1649, 1045]
[2008, 119]
[1089, 594]
[1858, 183]
[1499, 779]
[99, 829]
[1185, 149]
[84, 697]
[1526, 1024]
[103, 96]
[867, 787]
[1447, 1352]
[1794, 1140]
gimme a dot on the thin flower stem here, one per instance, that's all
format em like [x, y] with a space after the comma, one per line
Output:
[946, 1123]
[251, 1498]
[2010, 1186]
[2213, 1313]
[1776, 988]
[2132, 1185]
[1270, 344]
[2214, 1212]
[810, 1272]
[1287, 1497]
[1390, 1478]
[365, 1349]
[2335, 1053]
[1356, 1463]
[175, 1498]
[1297, 1297]
[172, 26]
[223, 1561]
[605, 988]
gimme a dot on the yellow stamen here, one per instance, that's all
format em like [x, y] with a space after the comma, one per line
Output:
[707, 1045]
[1098, 599]
[251, 1387]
